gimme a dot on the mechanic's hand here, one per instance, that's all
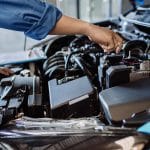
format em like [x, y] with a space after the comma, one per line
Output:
[106, 38]
[6, 71]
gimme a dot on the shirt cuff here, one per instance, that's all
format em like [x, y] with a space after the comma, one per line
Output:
[40, 29]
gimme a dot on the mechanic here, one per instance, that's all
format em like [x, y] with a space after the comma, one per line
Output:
[37, 19]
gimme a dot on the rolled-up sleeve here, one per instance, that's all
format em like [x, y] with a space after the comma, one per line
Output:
[33, 17]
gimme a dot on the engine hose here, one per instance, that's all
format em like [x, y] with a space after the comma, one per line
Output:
[94, 57]
[87, 64]
[55, 59]
[56, 63]
[74, 43]
[57, 54]
[60, 54]
[51, 60]
[69, 57]
[148, 49]
[93, 50]
[51, 69]
[54, 72]
[80, 63]
[77, 52]
[71, 72]
[79, 41]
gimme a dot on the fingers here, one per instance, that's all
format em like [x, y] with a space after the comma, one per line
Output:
[108, 48]
[115, 44]
[6, 71]
[107, 39]
[118, 43]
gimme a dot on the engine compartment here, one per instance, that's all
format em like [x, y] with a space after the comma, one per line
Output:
[77, 73]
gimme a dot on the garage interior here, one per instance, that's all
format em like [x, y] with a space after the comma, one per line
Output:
[66, 93]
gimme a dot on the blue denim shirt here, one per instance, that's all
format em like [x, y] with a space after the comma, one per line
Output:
[35, 18]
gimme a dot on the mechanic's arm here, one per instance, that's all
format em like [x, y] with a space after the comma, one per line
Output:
[103, 36]
[38, 19]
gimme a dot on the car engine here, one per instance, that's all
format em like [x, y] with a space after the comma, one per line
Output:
[78, 79]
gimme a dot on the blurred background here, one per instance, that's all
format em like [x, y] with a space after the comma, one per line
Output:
[89, 10]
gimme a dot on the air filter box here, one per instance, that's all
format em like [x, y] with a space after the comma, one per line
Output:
[74, 98]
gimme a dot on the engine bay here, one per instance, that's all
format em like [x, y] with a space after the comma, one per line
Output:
[78, 79]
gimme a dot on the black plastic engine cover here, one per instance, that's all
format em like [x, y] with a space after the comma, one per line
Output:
[117, 75]
[121, 102]
[75, 98]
